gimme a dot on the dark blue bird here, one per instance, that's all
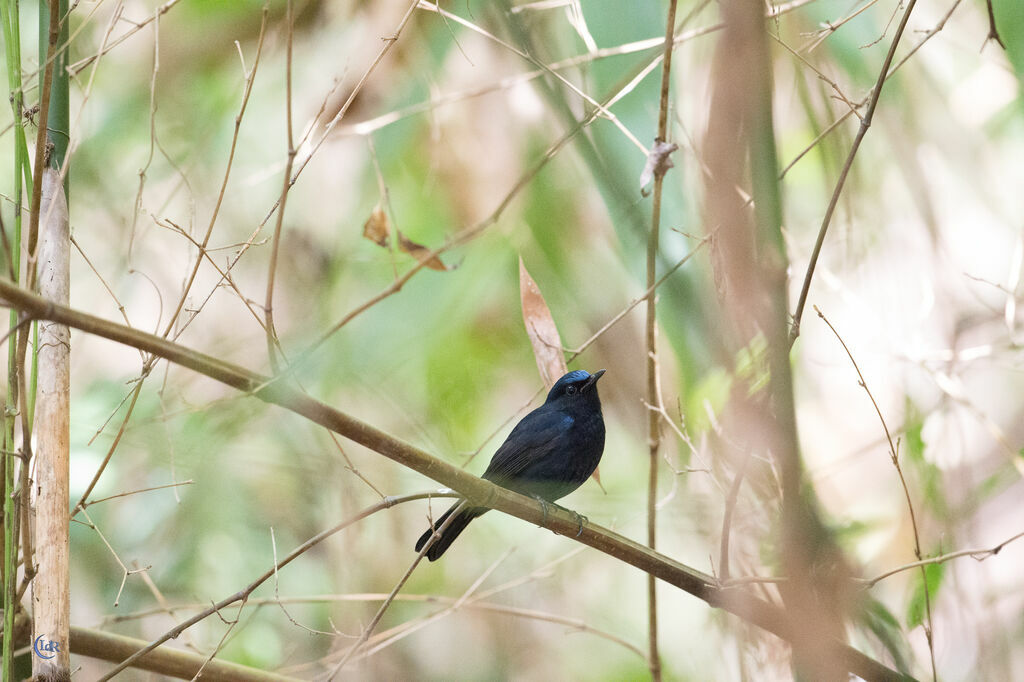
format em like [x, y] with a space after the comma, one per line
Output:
[550, 453]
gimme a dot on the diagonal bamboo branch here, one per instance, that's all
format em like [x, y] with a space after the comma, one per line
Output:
[485, 493]
[107, 646]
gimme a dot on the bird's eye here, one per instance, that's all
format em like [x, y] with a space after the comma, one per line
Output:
[570, 390]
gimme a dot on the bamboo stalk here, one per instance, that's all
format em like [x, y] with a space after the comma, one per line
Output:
[50, 588]
[48, 417]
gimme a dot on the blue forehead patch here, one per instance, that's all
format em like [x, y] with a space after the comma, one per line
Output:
[572, 377]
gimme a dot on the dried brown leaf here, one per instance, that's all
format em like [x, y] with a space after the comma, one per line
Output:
[540, 327]
[377, 228]
[422, 254]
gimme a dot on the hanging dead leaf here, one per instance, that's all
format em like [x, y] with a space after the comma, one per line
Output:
[377, 228]
[540, 327]
[422, 254]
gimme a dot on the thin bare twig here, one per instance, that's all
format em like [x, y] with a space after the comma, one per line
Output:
[41, 142]
[730, 506]
[894, 456]
[976, 554]
[471, 599]
[368, 126]
[275, 242]
[125, 570]
[651, 328]
[249, 80]
[660, 410]
[387, 638]
[928, 35]
[475, 604]
[136, 492]
[77, 67]
[993, 32]
[979, 554]
[601, 108]
[280, 602]
[152, 125]
[833, 26]
[83, 500]
[803, 60]
[368, 630]
[389, 42]
[636, 301]
[865, 123]
[243, 594]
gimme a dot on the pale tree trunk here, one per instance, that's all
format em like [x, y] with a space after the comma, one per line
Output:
[50, 587]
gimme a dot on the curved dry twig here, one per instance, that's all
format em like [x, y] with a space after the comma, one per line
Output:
[976, 554]
[894, 456]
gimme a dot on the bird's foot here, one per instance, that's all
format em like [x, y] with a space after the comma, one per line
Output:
[544, 509]
[582, 520]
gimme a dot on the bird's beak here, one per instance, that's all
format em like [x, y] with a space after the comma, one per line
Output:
[593, 378]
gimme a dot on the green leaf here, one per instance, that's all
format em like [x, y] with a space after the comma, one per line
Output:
[886, 628]
[916, 609]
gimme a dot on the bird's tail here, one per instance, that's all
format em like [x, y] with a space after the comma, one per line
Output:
[448, 535]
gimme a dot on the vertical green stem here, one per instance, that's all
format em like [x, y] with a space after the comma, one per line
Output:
[12, 44]
[653, 394]
[58, 132]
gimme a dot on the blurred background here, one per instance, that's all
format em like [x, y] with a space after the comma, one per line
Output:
[920, 274]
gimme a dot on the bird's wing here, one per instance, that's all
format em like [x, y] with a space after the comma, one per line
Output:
[533, 438]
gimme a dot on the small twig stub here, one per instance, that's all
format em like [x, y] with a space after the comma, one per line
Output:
[658, 162]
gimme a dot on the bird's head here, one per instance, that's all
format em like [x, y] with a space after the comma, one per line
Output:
[575, 386]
